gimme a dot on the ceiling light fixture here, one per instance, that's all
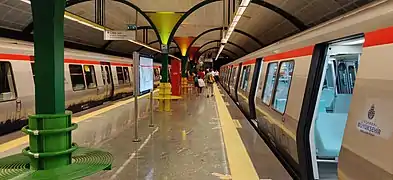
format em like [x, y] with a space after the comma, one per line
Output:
[242, 8]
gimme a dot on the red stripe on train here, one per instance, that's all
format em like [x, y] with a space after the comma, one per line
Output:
[78, 61]
[120, 64]
[17, 57]
[306, 51]
[379, 37]
[252, 61]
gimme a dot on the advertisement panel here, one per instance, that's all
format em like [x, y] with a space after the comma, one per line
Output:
[146, 73]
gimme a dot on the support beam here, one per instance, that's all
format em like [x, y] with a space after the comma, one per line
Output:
[156, 41]
[188, 13]
[100, 12]
[294, 20]
[206, 50]
[229, 42]
[219, 29]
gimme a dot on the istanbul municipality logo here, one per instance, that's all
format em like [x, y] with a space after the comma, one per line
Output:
[371, 112]
[369, 126]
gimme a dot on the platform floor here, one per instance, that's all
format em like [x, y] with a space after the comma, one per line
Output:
[191, 143]
[202, 138]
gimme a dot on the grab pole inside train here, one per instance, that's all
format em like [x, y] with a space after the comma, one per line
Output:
[136, 94]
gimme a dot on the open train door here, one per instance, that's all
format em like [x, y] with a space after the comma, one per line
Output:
[107, 79]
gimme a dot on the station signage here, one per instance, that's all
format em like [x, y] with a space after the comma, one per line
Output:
[110, 35]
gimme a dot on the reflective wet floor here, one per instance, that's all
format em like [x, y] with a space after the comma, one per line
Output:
[184, 144]
[187, 143]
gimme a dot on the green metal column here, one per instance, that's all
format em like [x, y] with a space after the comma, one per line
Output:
[184, 66]
[165, 73]
[48, 18]
[51, 153]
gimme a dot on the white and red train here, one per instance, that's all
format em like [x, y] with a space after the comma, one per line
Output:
[90, 79]
[322, 98]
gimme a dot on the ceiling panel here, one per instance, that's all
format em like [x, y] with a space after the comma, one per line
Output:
[215, 35]
[262, 23]
[82, 34]
[14, 14]
[165, 5]
[123, 46]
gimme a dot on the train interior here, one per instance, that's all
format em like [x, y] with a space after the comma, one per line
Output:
[332, 107]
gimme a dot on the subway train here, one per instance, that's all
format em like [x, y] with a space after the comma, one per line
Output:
[90, 79]
[322, 98]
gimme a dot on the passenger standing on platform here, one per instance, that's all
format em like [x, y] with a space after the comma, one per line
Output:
[201, 74]
[201, 85]
[196, 86]
[210, 82]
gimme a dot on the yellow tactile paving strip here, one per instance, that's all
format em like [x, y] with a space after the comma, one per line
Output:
[239, 161]
[25, 139]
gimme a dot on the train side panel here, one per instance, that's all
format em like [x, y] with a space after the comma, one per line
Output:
[233, 84]
[243, 90]
[280, 126]
[367, 147]
[16, 96]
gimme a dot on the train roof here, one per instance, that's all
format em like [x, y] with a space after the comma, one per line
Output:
[374, 16]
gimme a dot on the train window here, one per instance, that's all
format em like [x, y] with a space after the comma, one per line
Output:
[346, 75]
[120, 75]
[90, 76]
[233, 76]
[126, 75]
[246, 75]
[282, 89]
[7, 88]
[103, 75]
[108, 75]
[269, 83]
[77, 79]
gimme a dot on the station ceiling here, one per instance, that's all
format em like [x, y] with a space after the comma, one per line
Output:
[263, 23]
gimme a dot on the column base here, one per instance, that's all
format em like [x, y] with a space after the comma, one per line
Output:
[85, 162]
[51, 153]
[165, 95]
[184, 84]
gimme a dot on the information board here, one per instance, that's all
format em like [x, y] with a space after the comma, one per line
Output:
[119, 35]
[146, 74]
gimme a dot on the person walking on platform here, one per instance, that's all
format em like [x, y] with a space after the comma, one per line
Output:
[210, 81]
[201, 85]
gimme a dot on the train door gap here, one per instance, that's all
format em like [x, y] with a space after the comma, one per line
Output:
[332, 105]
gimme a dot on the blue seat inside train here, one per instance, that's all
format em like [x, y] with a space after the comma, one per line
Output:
[329, 132]
[329, 126]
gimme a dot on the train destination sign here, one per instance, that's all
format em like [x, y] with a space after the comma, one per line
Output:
[119, 35]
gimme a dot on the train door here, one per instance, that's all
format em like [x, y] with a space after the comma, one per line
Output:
[9, 102]
[107, 78]
[332, 105]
